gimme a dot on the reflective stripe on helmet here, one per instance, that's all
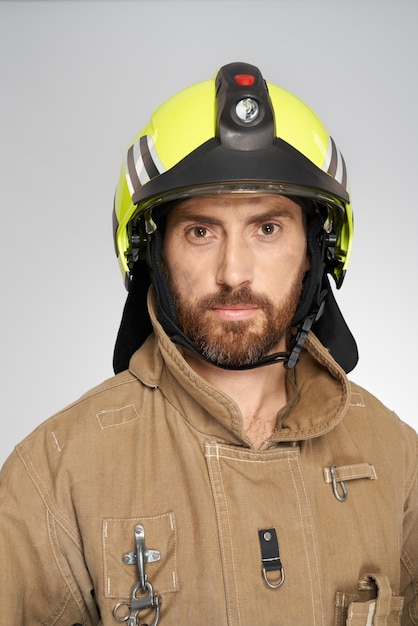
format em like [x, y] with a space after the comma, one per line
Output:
[335, 165]
[142, 163]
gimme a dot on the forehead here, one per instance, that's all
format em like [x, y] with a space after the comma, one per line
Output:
[240, 204]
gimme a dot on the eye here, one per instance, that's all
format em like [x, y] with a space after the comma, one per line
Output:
[199, 232]
[269, 228]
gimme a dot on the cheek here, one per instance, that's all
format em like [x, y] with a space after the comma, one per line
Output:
[301, 259]
[282, 274]
[173, 267]
[189, 274]
[288, 261]
[183, 281]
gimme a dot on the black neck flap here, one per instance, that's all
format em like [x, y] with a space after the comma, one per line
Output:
[135, 325]
[332, 331]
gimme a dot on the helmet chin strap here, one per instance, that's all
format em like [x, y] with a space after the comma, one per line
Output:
[289, 359]
[309, 309]
[302, 334]
[269, 359]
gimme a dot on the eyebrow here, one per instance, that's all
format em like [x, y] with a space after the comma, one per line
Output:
[271, 214]
[196, 217]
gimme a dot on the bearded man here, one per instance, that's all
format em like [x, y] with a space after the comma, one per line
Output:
[229, 473]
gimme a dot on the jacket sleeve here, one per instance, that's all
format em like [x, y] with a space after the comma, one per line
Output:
[38, 583]
[409, 560]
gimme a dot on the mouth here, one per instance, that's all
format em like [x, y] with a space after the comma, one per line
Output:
[235, 313]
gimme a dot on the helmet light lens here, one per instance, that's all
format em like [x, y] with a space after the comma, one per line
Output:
[247, 110]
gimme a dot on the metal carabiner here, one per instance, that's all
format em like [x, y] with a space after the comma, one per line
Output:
[137, 604]
[341, 497]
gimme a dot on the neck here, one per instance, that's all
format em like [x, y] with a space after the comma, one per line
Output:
[259, 393]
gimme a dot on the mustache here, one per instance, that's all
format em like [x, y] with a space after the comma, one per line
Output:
[233, 297]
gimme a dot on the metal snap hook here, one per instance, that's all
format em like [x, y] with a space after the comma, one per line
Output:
[129, 611]
[341, 497]
[142, 593]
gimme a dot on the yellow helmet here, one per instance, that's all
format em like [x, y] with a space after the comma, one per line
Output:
[231, 134]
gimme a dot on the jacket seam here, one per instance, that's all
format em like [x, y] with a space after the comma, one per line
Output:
[70, 588]
[312, 527]
[46, 498]
[222, 538]
[110, 384]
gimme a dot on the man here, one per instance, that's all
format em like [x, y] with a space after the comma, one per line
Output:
[229, 473]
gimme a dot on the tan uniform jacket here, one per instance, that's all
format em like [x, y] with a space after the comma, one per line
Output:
[158, 447]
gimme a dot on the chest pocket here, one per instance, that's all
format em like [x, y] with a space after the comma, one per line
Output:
[118, 541]
[374, 605]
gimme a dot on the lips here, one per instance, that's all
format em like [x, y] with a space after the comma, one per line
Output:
[234, 306]
[236, 312]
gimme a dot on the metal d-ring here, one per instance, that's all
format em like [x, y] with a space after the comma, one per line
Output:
[274, 585]
[341, 497]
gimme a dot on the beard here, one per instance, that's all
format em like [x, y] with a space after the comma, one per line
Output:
[236, 343]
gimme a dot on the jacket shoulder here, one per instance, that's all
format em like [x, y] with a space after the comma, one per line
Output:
[117, 400]
[381, 428]
[374, 408]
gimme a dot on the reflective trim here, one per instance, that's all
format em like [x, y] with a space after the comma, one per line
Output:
[331, 160]
[147, 162]
[344, 181]
[334, 164]
[142, 163]
[132, 179]
[157, 162]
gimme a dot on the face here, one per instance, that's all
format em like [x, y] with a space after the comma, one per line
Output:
[235, 265]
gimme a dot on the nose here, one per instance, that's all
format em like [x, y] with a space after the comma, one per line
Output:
[235, 264]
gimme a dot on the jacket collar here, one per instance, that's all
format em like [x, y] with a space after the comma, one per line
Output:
[318, 390]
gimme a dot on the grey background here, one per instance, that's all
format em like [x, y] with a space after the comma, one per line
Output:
[79, 80]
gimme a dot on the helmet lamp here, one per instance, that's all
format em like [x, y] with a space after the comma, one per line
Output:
[247, 110]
